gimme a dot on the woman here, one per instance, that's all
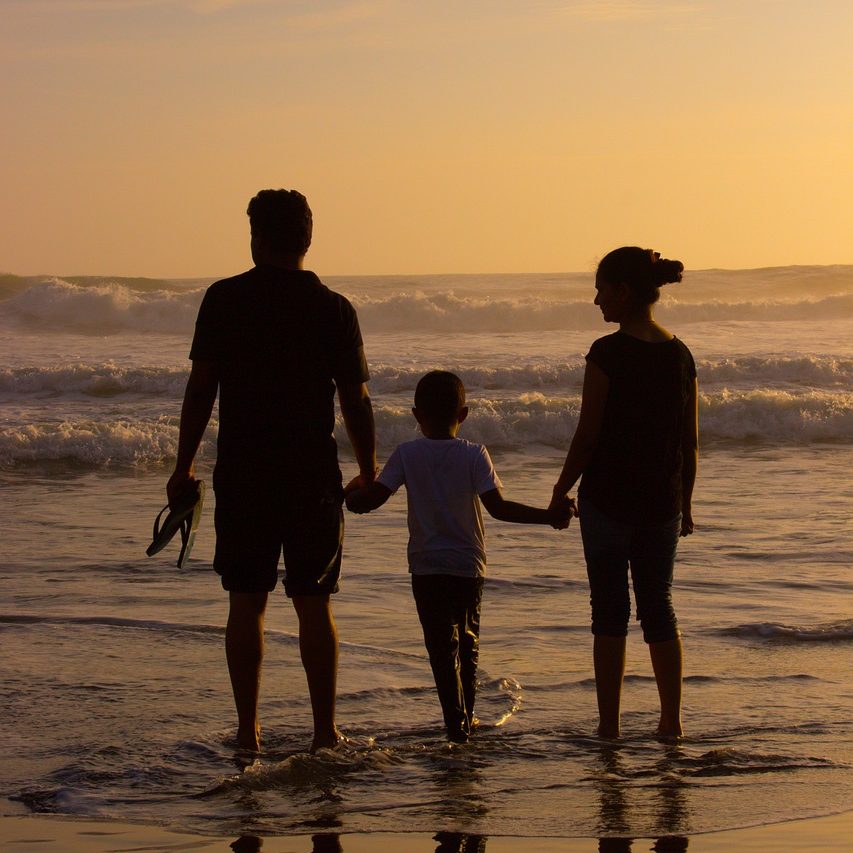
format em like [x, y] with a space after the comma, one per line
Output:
[636, 445]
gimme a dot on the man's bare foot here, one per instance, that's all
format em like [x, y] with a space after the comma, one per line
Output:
[608, 733]
[327, 740]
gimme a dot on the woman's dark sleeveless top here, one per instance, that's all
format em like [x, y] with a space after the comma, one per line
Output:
[635, 472]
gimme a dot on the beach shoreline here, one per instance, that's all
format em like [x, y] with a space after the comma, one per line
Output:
[41, 833]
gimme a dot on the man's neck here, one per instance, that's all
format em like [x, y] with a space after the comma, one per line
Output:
[281, 261]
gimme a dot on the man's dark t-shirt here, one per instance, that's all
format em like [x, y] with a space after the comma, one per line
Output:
[635, 472]
[282, 341]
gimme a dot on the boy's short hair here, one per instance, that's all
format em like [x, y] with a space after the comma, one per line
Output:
[283, 218]
[440, 395]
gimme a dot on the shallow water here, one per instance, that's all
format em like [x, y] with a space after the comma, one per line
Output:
[115, 691]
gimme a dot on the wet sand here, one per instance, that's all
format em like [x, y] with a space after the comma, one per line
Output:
[39, 834]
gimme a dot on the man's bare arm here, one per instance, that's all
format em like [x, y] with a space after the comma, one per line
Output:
[199, 397]
[357, 412]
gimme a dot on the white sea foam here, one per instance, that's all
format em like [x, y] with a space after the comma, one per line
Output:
[91, 443]
[526, 420]
[95, 380]
[107, 379]
[842, 630]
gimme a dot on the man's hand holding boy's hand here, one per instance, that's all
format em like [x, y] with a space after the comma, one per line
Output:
[366, 498]
[352, 499]
[361, 481]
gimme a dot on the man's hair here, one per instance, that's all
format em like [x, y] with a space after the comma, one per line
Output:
[283, 219]
[440, 395]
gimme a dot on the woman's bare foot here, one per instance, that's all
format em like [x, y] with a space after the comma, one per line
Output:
[327, 740]
[669, 734]
[669, 726]
[249, 741]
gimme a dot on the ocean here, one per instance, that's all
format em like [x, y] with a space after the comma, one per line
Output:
[115, 701]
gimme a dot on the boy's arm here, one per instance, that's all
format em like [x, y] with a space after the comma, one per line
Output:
[367, 499]
[503, 510]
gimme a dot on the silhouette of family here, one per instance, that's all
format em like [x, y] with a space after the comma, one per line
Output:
[277, 346]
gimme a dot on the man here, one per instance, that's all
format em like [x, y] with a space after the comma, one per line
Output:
[276, 344]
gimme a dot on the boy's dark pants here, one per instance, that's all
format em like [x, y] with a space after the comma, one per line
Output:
[449, 610]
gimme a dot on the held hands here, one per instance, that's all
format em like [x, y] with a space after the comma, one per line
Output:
[354, 496]
[364, 493]
[561, 511]
[686, 523]
[361, 481]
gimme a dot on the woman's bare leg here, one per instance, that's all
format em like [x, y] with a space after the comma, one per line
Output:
[608, 655]
[667, 660]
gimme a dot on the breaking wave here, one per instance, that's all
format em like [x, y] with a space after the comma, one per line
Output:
[825, 632]
[528, 420]
[108, 307]
[109, 379]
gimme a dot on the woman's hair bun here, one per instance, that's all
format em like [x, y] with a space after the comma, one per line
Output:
[665, 271]
[643, 270]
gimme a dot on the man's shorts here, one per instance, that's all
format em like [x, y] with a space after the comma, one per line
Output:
[253, 530]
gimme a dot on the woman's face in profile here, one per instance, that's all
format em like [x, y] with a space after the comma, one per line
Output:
[610, 298]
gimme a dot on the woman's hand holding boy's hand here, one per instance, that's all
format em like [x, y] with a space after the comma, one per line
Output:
[561, 511]
[564, 508]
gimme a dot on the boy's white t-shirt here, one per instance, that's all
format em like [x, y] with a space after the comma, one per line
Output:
[444, 479]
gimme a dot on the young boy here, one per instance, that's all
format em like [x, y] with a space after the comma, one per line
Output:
[445, 478]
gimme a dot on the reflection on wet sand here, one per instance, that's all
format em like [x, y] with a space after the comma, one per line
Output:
[457, 787]
[462, 842]
[459, 842]
[614, 810]
[330, 842]
[324, 842]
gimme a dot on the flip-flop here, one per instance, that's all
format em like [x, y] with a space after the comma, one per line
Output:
[184, 517]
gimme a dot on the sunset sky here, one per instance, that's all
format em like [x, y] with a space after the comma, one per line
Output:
[440, 136]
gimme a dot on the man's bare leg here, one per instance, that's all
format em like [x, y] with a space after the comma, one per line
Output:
[608, 654]
[244, 649]
[667, 664]
[318, 645]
